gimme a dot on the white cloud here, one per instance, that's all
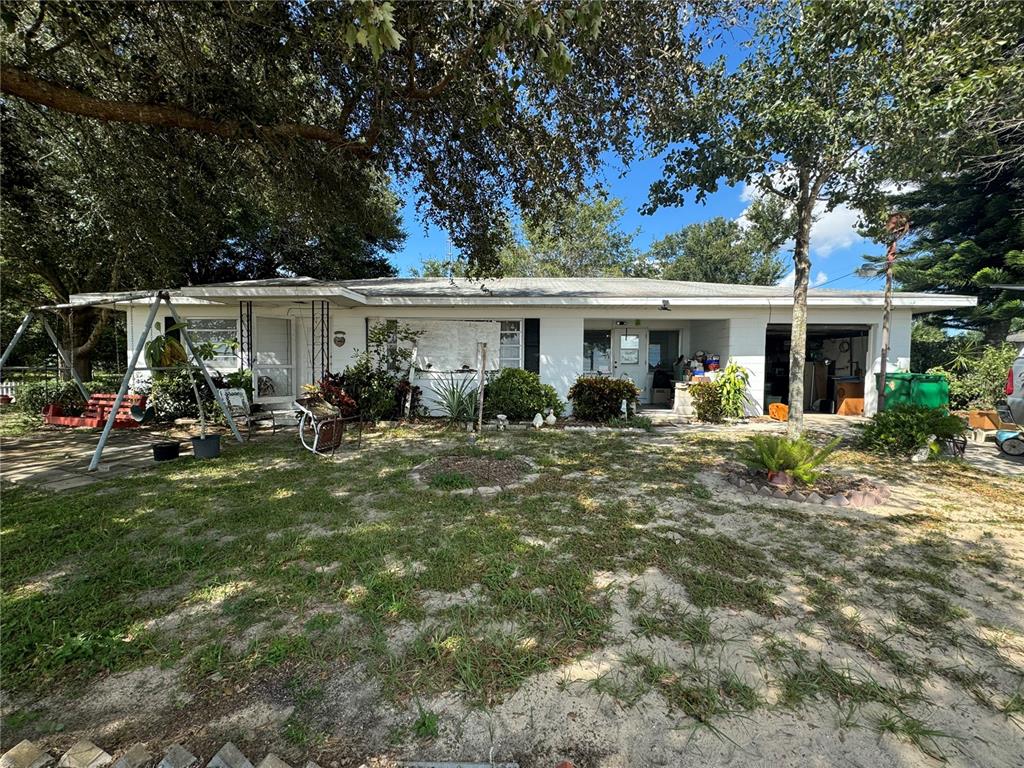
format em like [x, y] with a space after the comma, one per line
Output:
[819, 278]
[834, 230]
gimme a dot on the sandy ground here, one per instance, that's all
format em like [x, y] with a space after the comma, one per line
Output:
[597, 712]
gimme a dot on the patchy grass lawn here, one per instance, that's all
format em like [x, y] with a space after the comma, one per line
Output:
[626, 608]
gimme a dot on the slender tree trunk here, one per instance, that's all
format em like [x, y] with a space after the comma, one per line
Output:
[798, 337]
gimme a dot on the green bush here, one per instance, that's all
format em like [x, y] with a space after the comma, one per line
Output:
[707, 401]
[799, 458]
[519, 395]
[599, 398]
[906, 428]
[172, 397]
[31, 397]
[977, 376]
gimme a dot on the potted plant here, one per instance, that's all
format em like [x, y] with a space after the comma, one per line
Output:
[166, 352]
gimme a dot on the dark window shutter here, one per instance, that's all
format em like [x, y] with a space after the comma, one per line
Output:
[168, 323]
[531, 344]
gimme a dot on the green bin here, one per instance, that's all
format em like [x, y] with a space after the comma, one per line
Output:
[928, 389]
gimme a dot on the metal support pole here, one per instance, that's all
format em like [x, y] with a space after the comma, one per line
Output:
[67, 361]
[202, 367]
[16, 338]
[123, 390]
[482, 356]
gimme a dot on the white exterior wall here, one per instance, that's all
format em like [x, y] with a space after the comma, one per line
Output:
[746, 348]
[561, 351]
[736, 333]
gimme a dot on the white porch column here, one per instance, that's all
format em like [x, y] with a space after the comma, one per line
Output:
[746, 348]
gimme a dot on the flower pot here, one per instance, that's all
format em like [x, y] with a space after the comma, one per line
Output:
[5, 399]
[166, 451]
[206, 447]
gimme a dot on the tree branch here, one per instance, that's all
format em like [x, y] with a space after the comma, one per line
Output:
[18, 82]
[95, 335]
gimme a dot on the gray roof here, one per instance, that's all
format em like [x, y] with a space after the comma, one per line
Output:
[545, 287]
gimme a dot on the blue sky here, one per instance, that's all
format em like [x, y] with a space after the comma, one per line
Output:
[836, 249]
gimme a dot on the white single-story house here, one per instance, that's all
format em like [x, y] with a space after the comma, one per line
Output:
[292, 330]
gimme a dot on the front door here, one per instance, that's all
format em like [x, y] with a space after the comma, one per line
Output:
[629, 357]
[274, 374]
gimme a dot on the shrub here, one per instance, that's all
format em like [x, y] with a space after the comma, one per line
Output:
[331, 392]
[32, 396]
[172, 396]
[457, 399]
[599, 398]
[519, 395]
[906, 428]
[379, 393]
[707, 401]
[799, 458]
[732, 383]
[977, 376]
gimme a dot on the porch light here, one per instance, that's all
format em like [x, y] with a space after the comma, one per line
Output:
[664, 306]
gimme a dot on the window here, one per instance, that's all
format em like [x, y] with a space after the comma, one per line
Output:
[662, 350]
[597, 351]
[629, 348]
[223, 333]
[511, 348]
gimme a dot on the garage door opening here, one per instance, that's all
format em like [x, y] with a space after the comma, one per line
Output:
[834, 371]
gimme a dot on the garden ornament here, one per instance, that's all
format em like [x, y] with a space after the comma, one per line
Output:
[538, 421]
[502, 422]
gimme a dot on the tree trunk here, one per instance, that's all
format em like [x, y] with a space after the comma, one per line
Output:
[798, 337]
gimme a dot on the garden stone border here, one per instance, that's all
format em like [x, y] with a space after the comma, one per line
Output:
[851, 498]
[481, 490]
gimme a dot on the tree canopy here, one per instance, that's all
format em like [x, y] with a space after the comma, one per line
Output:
[584, 238]
[832, 100]
[479, 107]
[967, 236]
[724, 250]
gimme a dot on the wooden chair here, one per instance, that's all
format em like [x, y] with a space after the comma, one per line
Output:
[237, 401]
[322, 427]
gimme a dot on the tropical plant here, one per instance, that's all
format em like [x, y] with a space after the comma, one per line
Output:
[378, 379]
[707, 401]
[600, 398]
[799, 458]
[977, 375]
[456, 398]
[904, 429]
[519, 394]
[733, 383]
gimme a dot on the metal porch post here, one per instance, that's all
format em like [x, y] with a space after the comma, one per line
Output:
[202, 367]
[139, 345]
[25, 323]
[67, 362]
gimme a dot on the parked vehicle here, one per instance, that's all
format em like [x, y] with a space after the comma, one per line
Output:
[1011, 442]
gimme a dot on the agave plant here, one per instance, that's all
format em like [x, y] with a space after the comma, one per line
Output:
[457, 399]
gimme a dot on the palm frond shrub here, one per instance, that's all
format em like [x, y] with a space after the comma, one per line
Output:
[799, 458]
[456, 399]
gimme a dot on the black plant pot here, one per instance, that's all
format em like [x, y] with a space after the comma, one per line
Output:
[206, 447]
[166, 451]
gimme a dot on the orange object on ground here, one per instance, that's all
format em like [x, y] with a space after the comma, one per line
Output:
[778, 411]
[96, 412]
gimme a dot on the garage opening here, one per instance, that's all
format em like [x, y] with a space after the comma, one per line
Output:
[834, 371]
